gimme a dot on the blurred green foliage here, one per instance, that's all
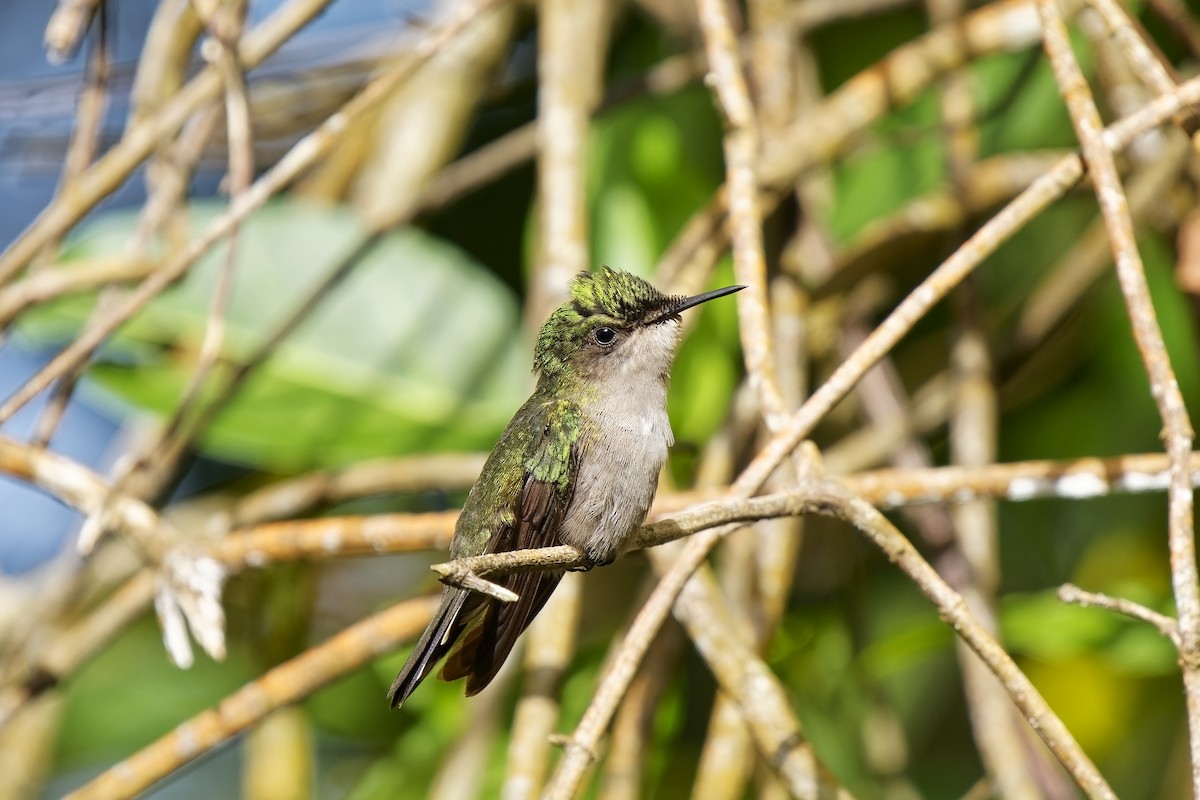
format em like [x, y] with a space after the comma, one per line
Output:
[414, 351]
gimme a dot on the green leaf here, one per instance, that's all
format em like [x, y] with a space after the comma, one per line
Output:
[654, 162]
[1142, 650]
[906, 162]
[416, 350]
[1043, 627]
[131, 694]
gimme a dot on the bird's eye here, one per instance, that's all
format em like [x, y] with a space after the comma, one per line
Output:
[605, 336]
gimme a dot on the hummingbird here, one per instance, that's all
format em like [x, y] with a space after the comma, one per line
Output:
[577, 465]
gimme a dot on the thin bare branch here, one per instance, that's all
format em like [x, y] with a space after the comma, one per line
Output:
[1011, 765]
[741, 146]
[58, 280]
[549, 646]
[625, 766]
[831, 499]
[299, 158]
[1177, 430]
[93, 96]
[983, 243]
[1070, 593]
[286, 684]
[294, 496]
[465, 579]
[67, 27]
[142, 138]
[572, 40]
[572, 44]
[82, 489]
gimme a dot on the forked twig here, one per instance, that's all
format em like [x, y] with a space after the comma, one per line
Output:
[1177, 433]
[1070, 593]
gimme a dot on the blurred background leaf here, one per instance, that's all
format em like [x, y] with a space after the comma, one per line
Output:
[414, 351]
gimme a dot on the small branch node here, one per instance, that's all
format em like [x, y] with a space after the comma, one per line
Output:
[569, 743]
[453, 575]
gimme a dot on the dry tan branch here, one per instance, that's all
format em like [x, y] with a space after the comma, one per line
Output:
[59, 280]
[782, 143]
[278, 542]
[1177, 431]
[225, 28]
[82, 489]
[466, 579]
[1026, 480]
[1010, 764]
[64, 34]
[741, 147]
[549, 646]
[299, 158]
[140, 140]
[830, 499]
[628, 752]
[571, 41]
[286, 684]
[384, 476]
[1069, 593]
[67, 27]
[982, 244]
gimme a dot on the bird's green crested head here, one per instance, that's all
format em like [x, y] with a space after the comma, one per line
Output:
[617, 295]
[606, 311]
[601, 303]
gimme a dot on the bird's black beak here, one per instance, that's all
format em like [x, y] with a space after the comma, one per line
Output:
[676, 304]
[684, 304]
[696, 300]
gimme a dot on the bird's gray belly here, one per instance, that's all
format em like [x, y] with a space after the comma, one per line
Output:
[617, 478]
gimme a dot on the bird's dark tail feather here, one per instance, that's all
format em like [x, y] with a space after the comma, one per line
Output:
[433, 644]
[478, 633]
[489, 636]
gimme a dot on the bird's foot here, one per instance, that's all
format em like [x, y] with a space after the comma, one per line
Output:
[595, 557]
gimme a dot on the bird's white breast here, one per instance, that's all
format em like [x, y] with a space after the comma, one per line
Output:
[624, 446]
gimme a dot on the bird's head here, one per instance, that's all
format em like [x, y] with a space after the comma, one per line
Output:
[614, 324]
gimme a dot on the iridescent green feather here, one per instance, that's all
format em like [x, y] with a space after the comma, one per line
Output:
[536, 443]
